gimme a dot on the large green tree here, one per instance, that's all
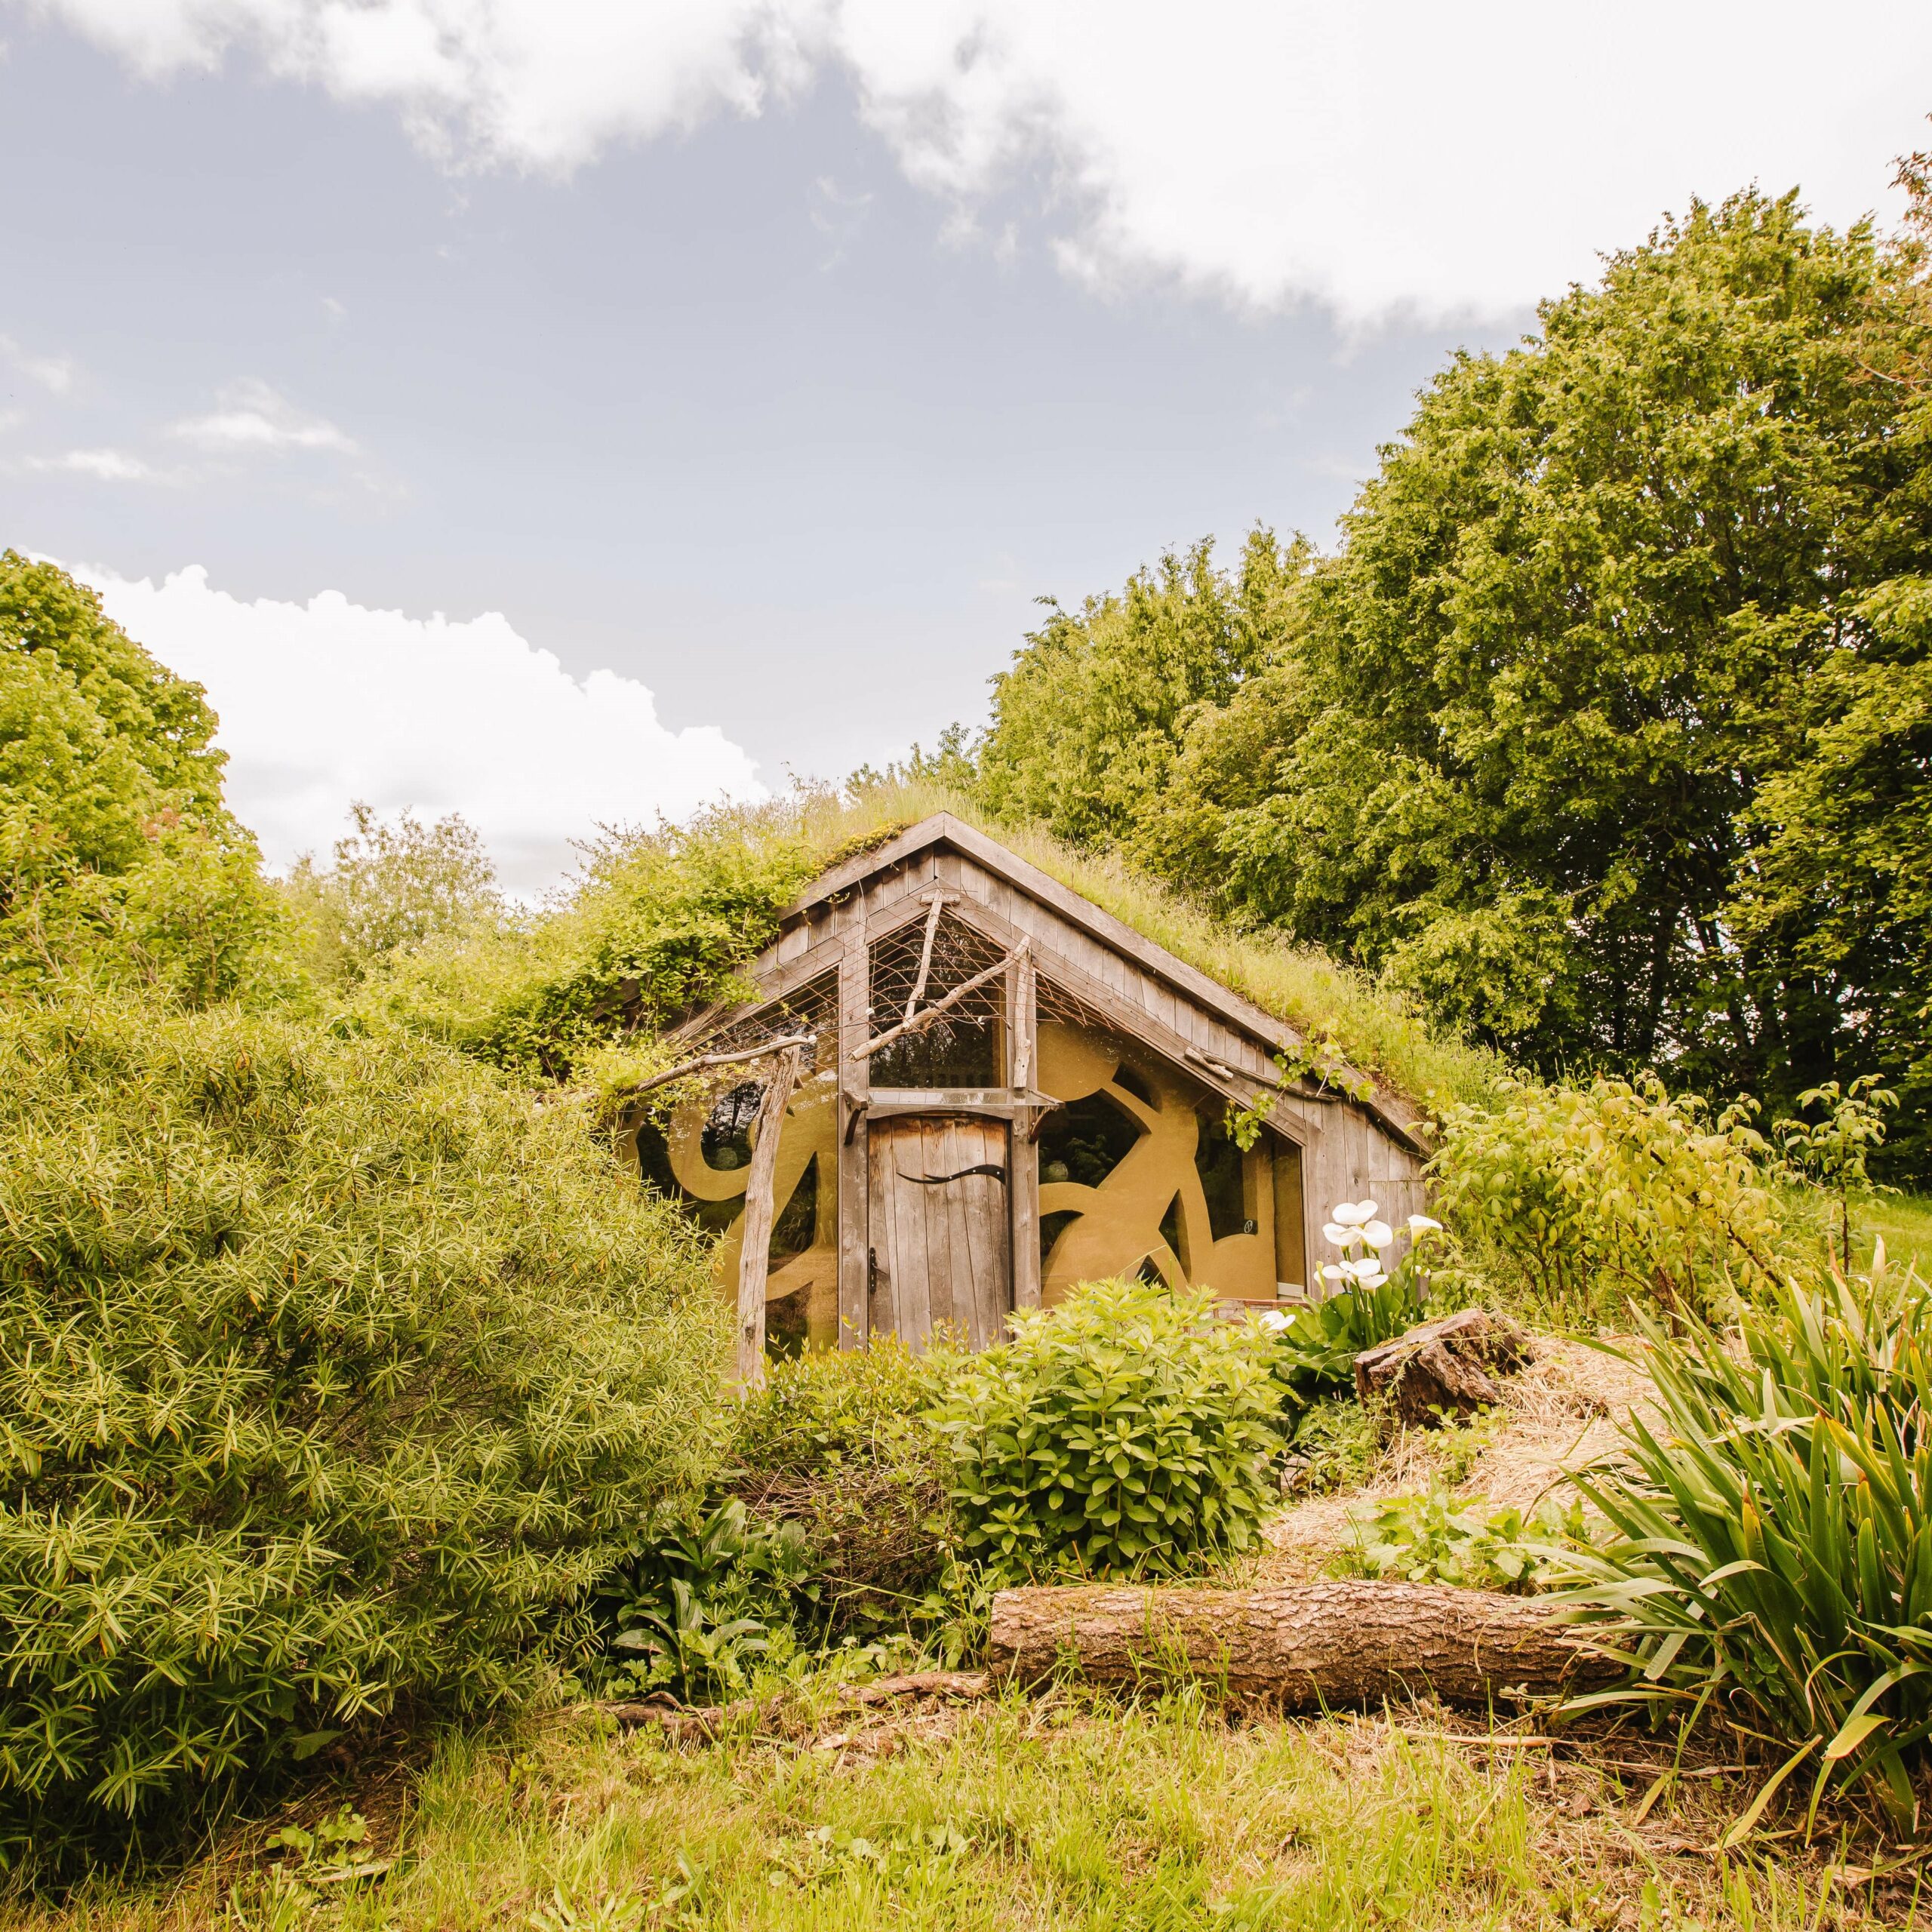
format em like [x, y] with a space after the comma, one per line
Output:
[1551, 740]
[118, 856]
[1089, 721]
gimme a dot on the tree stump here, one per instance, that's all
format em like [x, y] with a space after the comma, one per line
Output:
[1302, 1646]
[1444, 1368]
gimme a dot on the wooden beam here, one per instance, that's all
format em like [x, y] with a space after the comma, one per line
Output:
[754, 1254]
[854, 1147]
[1022, 1154]
[939, 1007]
[705, 1062]
[937, 900]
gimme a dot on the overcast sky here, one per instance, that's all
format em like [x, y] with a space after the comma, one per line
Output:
[566, 410]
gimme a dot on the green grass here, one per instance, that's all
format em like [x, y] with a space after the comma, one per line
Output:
[1048, 1814]
[1905, 1222]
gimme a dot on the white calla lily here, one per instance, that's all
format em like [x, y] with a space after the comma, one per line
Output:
[1421, 1224]
[1338, 1237]
[1274, 1322]
[1332, 1272]
[1366, 1210]
[1372, 1277]
[1350, 1216]
[1378, 1235]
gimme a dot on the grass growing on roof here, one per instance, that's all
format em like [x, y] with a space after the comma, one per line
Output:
[660, 921]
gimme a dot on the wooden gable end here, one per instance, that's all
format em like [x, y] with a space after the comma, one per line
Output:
[1350, 1149]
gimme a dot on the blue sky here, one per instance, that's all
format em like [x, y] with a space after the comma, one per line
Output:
[769, 360]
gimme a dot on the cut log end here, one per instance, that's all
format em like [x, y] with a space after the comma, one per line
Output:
[1445, 1368]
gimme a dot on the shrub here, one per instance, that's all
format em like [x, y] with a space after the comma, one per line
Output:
[329, 1369]
[698, 1599]
[1337, 1444]
[1126, 1430]
[1773, 1563]
[1432, 1538]
[829, 1520]
[1594, 1197]
[838, 1445]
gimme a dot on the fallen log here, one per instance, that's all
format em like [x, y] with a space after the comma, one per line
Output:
[1445, 1367]
[1300, 1646]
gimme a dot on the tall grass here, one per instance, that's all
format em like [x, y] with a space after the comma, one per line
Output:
[1772, 1566]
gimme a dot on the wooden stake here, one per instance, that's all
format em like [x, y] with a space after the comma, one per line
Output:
[754, 1252]
[854, 1151]
[1023, 1159]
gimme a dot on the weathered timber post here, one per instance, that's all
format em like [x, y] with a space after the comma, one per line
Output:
[855, 1145]
[1022, 1157]
[755, 1253]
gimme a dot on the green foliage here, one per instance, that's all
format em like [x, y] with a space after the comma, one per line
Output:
[1315, 1347]
[1087, 723]
[839, 1408]
[660, 922]
[1773, 1562]
[330, 1370]
[118, 859]
[1337, 1444]
[392, 888]
[1591, 1198]
[696, 1602]
[1125, 1432]
[1434, 1539]
[1833, 1152]
[828, 1521]
[144, 726]
[1604, 735]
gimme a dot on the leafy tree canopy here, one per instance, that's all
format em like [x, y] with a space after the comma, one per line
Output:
[1601, 733]
[391, 888]
[117, 857]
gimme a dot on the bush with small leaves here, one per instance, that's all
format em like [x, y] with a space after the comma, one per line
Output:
[1126, 1431]
[1589, 1199]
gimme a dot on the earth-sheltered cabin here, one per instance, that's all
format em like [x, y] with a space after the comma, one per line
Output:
[1001, 1090]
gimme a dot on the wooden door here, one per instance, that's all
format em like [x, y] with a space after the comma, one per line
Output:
[939, 1229]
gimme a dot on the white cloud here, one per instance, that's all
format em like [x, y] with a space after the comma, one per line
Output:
[325, 702]
[250, 416]
[104, 466]
[1403, 157]
[56, 372]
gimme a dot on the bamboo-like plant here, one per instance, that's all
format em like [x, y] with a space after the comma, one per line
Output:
[1771, 1564]
[330, 1373]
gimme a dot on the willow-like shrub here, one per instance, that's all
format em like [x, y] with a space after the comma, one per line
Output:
[1587, 1200]
[1126, 1431]
[330, 1369]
